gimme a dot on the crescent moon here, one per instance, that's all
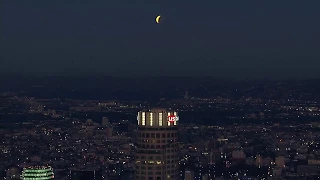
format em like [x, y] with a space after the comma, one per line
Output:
[158, 19]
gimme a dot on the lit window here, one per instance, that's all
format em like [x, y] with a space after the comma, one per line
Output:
[143, 118]
[160, 119]
[151, 119]
[168, 118]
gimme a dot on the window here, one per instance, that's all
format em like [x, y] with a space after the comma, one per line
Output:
[160, 119]
[151, 119]
[143, 118]
[169, 123]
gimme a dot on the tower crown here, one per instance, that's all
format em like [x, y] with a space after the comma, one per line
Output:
[157, 117]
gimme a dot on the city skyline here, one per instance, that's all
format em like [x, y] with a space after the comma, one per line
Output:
[245, 130]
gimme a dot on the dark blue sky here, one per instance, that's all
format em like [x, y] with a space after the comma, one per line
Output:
[219, 38]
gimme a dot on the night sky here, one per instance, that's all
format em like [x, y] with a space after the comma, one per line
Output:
[275, 38]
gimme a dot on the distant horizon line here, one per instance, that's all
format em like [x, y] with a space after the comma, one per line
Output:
[2, 74]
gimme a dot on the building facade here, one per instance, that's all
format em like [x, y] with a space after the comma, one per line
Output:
[37, 173]
[157, 145]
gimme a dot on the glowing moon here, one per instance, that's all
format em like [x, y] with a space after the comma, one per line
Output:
[158, 19]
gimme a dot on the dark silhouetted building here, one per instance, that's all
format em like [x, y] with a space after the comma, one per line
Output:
[86, 175]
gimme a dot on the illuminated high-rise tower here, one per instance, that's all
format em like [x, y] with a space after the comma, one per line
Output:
[37, 173]
[157, 145]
